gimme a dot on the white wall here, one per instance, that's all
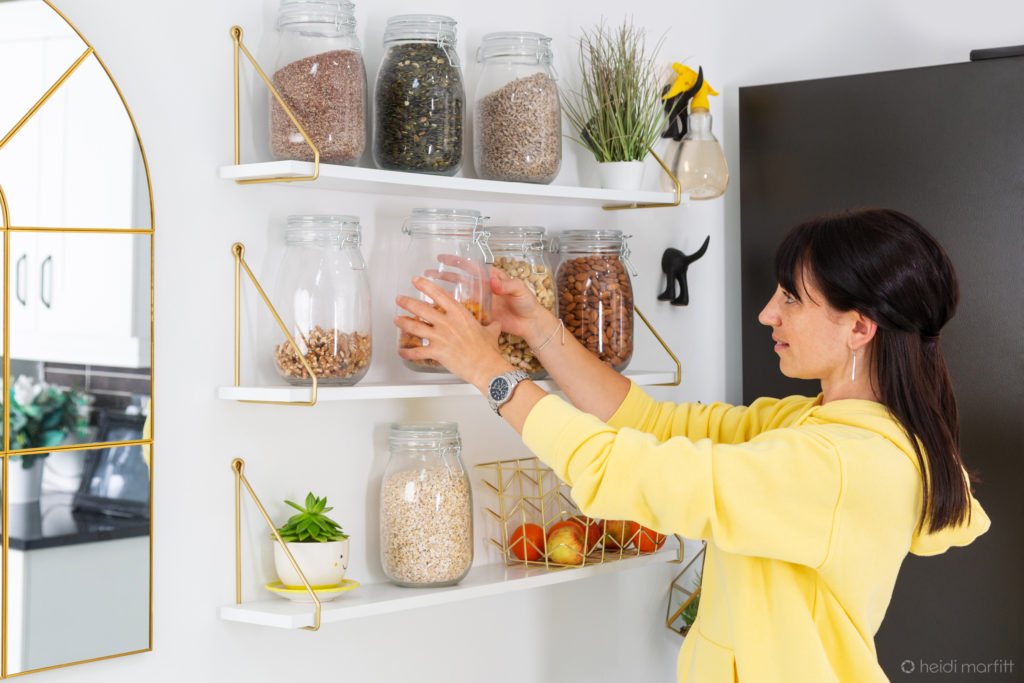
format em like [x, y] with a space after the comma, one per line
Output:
[173, 63]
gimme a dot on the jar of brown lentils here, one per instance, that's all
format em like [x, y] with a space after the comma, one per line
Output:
[521, 252]
[595, 295]
[321, 292]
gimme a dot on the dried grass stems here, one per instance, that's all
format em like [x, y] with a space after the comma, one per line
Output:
[617, 109]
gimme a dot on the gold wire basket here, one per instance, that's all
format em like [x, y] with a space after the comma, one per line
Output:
[528, 492]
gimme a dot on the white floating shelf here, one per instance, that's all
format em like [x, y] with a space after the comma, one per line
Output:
[372, 180]
[384, 598]
[366, 391]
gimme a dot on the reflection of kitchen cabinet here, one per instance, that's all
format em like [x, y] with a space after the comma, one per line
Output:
[69, 305]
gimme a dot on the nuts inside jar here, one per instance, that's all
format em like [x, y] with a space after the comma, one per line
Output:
[332, 355]
[538, 279]
[595, 301]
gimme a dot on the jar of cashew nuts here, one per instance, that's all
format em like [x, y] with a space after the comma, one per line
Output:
[321, 292]
[595, 296]
[521, 252]
[449, 247]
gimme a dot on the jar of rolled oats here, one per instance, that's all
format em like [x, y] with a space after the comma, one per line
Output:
[449, 247]
[426, 507]
[595, 295]
[521, 252]
[321, 292]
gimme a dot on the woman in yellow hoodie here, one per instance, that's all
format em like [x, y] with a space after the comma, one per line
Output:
[808, 504]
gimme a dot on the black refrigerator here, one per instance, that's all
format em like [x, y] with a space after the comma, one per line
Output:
[944, 144]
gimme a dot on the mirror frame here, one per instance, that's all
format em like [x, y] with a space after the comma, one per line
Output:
[147, 439]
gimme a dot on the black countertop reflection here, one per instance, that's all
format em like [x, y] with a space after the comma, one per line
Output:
[51, 523]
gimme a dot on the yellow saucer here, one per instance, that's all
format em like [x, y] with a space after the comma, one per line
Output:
[300, 594]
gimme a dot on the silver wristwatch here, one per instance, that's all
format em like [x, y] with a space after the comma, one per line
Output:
[499, 391]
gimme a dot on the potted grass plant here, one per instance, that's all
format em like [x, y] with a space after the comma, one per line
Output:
[317, 543]
[617, 110]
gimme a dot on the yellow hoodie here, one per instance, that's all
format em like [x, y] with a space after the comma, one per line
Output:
[808, 511]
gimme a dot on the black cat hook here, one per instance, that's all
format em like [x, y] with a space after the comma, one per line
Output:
[674, 264]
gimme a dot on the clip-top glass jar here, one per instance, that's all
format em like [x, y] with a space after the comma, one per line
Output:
[319, 73]
[322, 293]
[426, 507]
[595, 296]
[418, 118]
[517, 118]
[449, 247]
[521, 253]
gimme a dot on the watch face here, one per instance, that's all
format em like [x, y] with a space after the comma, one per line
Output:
[498, 389]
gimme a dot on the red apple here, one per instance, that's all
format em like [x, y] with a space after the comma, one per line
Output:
[619, 533]
[565, 544]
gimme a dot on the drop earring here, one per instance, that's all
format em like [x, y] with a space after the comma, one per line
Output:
[853, 374]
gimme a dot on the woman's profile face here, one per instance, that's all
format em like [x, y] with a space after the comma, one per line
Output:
[811, 338]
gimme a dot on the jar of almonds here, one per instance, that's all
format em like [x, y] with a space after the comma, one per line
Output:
[522, 254]
[448, 246]
[322, 294]
[595, 296]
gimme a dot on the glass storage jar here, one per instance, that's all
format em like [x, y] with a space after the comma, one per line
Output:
[521, 252]
[319, 73]
[595, 296]
[426, 507]
[449, 247]
[517, 118]
[418, 118]
[322, 294]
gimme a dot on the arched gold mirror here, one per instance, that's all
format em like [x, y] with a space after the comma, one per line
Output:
[77, 224]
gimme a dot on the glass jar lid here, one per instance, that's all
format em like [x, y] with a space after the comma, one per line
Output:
[443, 221]
[339, 13]
[425, 27]
[597, 240]
[432, 436]
[515, 44]
[524, 237]
[328, 228]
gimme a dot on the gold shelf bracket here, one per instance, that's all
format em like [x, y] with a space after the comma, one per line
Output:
[679, 367]
[691, 595]
[236, 38]
[238, 250]
[238, 467]
[653, 205]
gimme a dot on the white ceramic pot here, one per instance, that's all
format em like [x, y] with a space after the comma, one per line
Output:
[24, 486]
[324, 564]
[621, 175]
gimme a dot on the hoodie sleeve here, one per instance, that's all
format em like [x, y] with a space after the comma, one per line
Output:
[941, 541]
[698, 488]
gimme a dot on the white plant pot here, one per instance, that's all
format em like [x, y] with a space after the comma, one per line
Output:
[324, 564]
[621, 175]
[24, 486]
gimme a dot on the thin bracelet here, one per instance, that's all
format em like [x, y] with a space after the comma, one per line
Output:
[561, 326]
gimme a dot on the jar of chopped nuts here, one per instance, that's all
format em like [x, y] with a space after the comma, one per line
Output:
[320, 75]
[521, 252]
[426, 507]
[595, 296]
[517, 117]
[450, 247]
[322, 294]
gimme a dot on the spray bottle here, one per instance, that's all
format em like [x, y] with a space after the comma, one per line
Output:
[698, 162]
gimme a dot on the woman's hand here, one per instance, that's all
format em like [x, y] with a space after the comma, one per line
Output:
[515, 308]
[455, 338]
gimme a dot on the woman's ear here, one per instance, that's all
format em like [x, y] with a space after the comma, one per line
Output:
[863, 331]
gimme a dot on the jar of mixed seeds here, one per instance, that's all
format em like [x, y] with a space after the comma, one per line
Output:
[595, 296]
[426, 507]
[319, 74]
[322, 294]
[517, 118]
[419, 97]
[448, 246]
[521, 252]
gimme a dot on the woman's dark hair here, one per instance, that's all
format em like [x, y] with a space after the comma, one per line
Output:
[886, 266]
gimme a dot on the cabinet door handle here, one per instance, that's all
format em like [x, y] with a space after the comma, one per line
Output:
[17, 279]
[42, 281]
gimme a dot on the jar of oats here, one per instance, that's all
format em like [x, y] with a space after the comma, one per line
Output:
[521, 252]
[426, 507]
[320, 75]
[321, 292]
[595, 296]
[450, 247]
[419, 97]
[517, 118]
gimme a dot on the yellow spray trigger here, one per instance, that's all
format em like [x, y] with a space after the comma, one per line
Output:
[685, 79]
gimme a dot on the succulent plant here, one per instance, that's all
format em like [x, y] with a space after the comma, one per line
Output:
[311, 525]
